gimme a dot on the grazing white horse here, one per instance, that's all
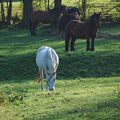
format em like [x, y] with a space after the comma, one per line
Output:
[47, 61]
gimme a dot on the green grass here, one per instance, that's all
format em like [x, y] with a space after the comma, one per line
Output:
[111, 29]
[87, 85]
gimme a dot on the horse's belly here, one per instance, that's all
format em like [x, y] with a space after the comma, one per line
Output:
[81, 36]
[45, 21]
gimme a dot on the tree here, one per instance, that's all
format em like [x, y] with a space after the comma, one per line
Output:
[57, 3]
[84, 9]
[2, 12]
[9, 11]
[27, 10]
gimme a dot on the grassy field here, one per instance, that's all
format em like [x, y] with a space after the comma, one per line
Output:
[87, 85]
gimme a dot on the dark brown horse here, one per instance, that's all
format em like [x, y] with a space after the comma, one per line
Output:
[83, 30]
[45, 17]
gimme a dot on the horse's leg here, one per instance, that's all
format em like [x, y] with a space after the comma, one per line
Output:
[63, 34]
[32, 28]
[72, 44]
[52, 25]
[88, 44]
[59, 32]
[41, 79]
[92, 44]
[67, 40]
[47, 81]
[55, 25]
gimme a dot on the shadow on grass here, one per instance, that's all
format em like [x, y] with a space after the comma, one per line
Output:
[94, 65]
[103, 63]
[17, 67]
[72, 66]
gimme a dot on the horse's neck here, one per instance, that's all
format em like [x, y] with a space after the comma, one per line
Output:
[91, 25]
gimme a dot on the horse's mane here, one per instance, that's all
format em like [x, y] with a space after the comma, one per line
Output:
[43, 47]
[90, 18]
[91, 21]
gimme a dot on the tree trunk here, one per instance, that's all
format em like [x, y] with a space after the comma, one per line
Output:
[27, 10]
[48, 4]
[84, 9]
[2, 12]
[9, 12]
[57, 3]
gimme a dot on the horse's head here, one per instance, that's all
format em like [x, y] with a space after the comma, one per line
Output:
[71, 10]
[96, 19]
[74, 16]
[52, 77]
[63, 9]
[58, 10]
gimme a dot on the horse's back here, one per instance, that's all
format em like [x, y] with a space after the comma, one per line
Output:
[41, 16]
[53, 60]
[47, 58]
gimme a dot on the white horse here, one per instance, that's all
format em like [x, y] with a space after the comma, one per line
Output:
[47, 61]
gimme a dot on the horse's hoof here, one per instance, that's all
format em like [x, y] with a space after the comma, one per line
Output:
[33, 34]
[66, 50]
[52, 89]
[92, 50]
[72, 49]
[88, 49]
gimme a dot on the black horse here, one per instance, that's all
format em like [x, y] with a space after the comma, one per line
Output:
[63, 21]
[73, 13]
[84, 30]
[71, 10]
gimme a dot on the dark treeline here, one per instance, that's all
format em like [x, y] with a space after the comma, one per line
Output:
[27, 9]
[28, 6]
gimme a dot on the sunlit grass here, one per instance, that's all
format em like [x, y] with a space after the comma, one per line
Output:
[87, 85]
[72, 99]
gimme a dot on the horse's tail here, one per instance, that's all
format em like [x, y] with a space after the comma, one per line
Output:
[30, 24]
[67, 39]
[59, 24]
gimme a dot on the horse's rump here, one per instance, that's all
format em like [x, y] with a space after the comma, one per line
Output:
[71, 26]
